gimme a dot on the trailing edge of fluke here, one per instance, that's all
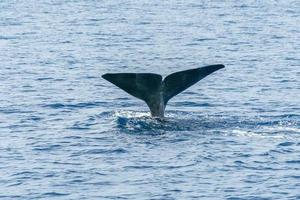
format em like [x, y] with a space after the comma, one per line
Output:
[155, 90]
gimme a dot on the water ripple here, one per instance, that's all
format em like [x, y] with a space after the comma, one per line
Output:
[66, 133]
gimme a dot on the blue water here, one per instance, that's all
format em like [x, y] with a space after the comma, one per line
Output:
[66, 133]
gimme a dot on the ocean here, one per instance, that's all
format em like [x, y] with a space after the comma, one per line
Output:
[66, 133]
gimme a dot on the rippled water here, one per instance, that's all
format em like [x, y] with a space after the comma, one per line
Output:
[65, 133]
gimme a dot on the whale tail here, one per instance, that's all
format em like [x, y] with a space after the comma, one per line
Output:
[155, 91]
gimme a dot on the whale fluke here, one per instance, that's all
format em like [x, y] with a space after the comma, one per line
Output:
[155, 91]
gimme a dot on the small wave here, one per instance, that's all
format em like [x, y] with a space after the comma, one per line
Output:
[47, 147]
[74, 106]
[10, 196]
[24, 173]
[104, 151]
[55, 194]
[293, 161]
[44, 78]
[14, 110]
[81, 126]
[9, 37]
[254, 134]
[204, 39]
[285, 144]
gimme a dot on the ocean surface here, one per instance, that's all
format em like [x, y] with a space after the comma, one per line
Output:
[66, 133]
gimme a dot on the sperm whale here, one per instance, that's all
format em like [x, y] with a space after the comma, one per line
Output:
[155, 90]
